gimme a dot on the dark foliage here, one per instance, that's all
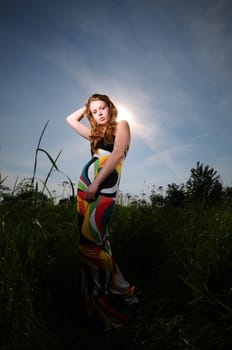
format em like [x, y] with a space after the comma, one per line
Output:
[179, 260]
[176, 249]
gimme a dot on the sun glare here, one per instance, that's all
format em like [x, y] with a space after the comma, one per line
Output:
[124, 114]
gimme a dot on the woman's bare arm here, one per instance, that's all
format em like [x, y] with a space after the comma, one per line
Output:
[74, 120]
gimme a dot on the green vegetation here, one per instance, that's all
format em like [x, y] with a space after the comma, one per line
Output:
[175, 247]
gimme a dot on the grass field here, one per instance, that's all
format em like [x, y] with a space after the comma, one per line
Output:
[178, 257]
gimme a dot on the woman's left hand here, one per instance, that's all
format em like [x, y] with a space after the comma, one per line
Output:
[91, 192]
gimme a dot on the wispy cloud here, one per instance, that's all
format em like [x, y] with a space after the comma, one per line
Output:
[173, 75]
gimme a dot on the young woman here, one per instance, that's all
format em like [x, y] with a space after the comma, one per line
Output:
[105, 294]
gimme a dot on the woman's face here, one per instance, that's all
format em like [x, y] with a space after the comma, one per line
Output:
[100, 112]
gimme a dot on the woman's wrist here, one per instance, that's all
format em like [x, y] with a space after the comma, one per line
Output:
[81, 113]
[77, 115]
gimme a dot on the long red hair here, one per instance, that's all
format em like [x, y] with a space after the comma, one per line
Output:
[98, 131]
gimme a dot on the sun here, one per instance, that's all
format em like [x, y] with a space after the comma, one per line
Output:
[124, 114]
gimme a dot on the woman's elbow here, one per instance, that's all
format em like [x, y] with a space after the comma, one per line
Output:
[69, 120]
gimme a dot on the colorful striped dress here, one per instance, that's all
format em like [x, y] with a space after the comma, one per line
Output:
[106, 297]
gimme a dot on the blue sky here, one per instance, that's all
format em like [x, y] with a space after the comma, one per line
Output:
[168, 63]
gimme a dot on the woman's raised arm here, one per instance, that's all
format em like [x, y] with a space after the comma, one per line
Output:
[74, 120]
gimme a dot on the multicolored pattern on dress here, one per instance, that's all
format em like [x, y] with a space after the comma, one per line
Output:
[105, 294]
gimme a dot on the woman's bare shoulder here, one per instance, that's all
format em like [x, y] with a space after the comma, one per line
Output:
[123, 124]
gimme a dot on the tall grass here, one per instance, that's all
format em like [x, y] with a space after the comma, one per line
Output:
[180, 260]
[31, 226]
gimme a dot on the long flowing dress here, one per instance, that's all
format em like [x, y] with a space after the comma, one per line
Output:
[105, 294]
